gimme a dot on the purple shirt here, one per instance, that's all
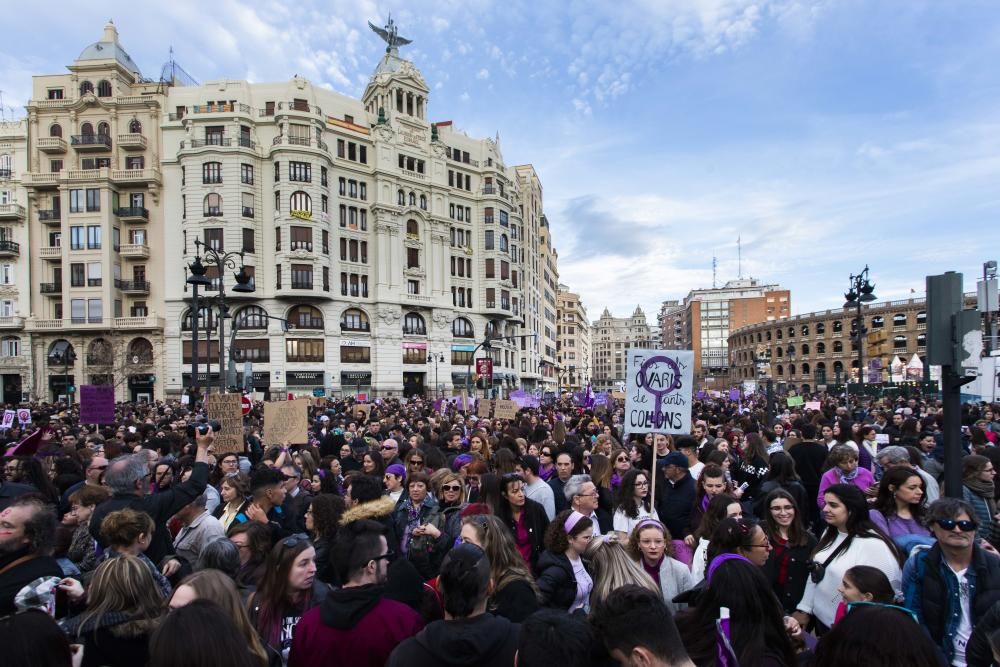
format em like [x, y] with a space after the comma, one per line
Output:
[896, 526]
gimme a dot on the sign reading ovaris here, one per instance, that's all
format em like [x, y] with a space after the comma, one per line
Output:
[658, 391]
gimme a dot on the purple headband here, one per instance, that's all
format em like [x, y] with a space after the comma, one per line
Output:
[719, 560]
[571, 521]
[649, 521]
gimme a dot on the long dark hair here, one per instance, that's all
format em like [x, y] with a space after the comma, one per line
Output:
[757, 625]
[877, 636]
[714, 514]
[797, 535]
[626, 493]
[858, 522]
[885, 502]
[200, 634]
[781, 469]
[274, 596]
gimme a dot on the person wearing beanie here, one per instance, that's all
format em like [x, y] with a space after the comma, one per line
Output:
[395, 476]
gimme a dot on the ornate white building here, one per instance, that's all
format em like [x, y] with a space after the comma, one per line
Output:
[384, 240]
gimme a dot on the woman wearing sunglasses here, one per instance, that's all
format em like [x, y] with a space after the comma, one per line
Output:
[850, 539]
[452, 499]
[621, 463]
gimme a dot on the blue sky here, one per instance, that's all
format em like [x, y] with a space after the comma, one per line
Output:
[826, 134]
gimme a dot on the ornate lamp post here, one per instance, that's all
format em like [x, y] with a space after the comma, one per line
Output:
[861, 291]
[435, 359]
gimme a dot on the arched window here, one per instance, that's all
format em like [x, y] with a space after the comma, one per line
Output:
[251, 317]
[134, 126]
[899, 342]
[413, 324]
[412, 227]
[878, 322]
[55, 130]
[768, 336]
[791, 332]
[899, 320]
[922, 340]
[805, 349]
[213, 204]
[805, 329]
[99, 352]
[87, 130]
[492, 330]
[838, 326]
[820, 348]
[206, 321]
[86, 87]
[805, 369]
[413, 199]
[838, 367]
[140, 352]
[103, 130]
[423, 202]
[305, 317]
[778, 352]
[821, 367]
[791, 370]
[922, 317]
[462, 328]
[104, 89]
[837, 346]
[820, 328]
[401, 198]
[504, 246]
[300, 201]
[780, 370]
[778, 334]
[354, 319]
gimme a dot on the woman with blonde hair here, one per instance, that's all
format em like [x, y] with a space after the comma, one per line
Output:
[217, 587]
[124, 606]
[611, 567]
[515, 595]
[600, 475]
[129, 533]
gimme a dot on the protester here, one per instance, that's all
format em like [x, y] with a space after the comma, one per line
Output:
[863, 583]
[211, 639]
[787, 566]
[844, 469]
[675, 492]
[650, 545]
[719, 508]
[130, 532]
[633, 501]
[898, 510]
[27, 532]
[563, 580]
[535, 488]
[979, 491]
[637, 628]
[536, 648]
[515, 593]
[612, 567]
[198, 528]
[233, 490]
[525, 518]
[253, 540]
[875, 635]
[31, 638]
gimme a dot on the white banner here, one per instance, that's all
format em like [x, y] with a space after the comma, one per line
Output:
[658, 391]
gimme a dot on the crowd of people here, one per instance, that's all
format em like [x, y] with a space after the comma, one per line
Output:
[402, 535]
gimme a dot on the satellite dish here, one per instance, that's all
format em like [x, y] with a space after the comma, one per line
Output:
[135, 358]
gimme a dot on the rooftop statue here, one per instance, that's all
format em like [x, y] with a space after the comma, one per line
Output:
[390, 34]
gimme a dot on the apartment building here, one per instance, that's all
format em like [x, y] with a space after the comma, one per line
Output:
[610, 337]
[15, 348]
[573, 345]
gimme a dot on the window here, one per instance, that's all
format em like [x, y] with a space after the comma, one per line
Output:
[899, 342]
[462, 328]
[414, 356]
[246, 174]
[134, 126]
[86, 87]
[76, 237]
[461, 357]
[93, 199]
[78, 311]
[423, 202]
[248, 204]
[215, 135]
[55, 130]
[488, 244]
[413, 287]
[326, 278]
[248, 240]
[341, 148]
[325, 204]
[213, 205]
[413, 325]
[364, 192]
[301, 238]
[326, 242]
[211, 172]
[93, 237]
[10, 347]
[76, 201]
[277, 277]
[214, 238]
[251, 317]
[277, 172]
[55, 94]
[352, 189]
[300, 201]
[354, 319]
[252, 350]
[503, 243]
[206, 350]
[412, 258]
[133, 162]
[350, 354]
[300, 171]
[277, 239]
[401, 199]
[490, 269]
[302, 276]
[55, 166]
[93, 274]
[95, 310]
[305, 317]
[76, 275]
[304, 349]
[322, 176]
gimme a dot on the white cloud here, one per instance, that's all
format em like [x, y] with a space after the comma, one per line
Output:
[483, 74]
[464, 97]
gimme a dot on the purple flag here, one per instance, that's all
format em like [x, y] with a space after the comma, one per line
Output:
[734, 394]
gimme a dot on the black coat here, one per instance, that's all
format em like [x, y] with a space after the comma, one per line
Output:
[160, 506]
[674, 501]
[556, 581]
[798, 573]
[481, 641]
[516, 601]
[809, 457]
[557, 491]
[535, 520]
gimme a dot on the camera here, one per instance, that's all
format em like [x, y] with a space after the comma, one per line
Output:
[202, 425]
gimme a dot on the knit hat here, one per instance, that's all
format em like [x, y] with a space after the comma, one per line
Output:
[675, 459]
[472, 509]
[396, 469]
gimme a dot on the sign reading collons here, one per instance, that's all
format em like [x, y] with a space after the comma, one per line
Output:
[97, 404]
[227, 409]
[658, 391]
[286, 421]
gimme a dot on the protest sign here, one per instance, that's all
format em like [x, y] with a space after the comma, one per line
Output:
[814, 405]
[484, 408]
[793, 401]
[320, 401]
[734, 394]
[97, 404]
[658, 391]
[8, 420]
[286, 421]
[227, 409]
[361, 410]
[505, 409]
[24, 414]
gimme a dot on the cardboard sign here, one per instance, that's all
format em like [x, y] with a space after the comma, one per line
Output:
[505, 410]
[320, 402]
[97, 404]
[227, 409]
[286, 421]
[618, 395]
[882, 438]
[24, 415]
[8, 420]
[658, 391]
[814, 405]
[361, 410]
[793, 401]
[483, 409]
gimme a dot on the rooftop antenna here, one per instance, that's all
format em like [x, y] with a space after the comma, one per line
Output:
[739, 254]
[715, 264]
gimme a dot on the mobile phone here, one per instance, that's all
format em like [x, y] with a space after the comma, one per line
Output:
[744, 486]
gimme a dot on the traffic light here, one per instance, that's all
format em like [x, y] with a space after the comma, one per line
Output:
[877, 344]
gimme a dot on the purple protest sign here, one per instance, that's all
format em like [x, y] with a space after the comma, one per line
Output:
[734, 394]
[97, 404]
[700, 395]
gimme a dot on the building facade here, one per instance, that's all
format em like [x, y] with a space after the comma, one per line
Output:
[548, 287]
[94, 216]
[610, 337]
[573, 345]
[815, 349]
[391, 245]
[15, 278]
[532, 348]
[707, 317]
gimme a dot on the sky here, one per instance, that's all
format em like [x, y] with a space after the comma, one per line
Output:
[820, 136]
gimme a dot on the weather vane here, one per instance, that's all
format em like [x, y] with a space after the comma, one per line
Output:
[390, 34]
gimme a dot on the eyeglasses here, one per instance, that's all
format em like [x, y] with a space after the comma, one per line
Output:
[908, 612]
[451, 487]
[388, 447]
[97, 468]
[387, 555]
[965, 525]
[292, 540]
[765, 545]
[416, 463]
[643, 483]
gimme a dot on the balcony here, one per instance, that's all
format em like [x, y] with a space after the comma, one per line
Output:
[132, 141]
[9, 248]
[132, 286]
[127, 176]
[298, 141]
[40, 180]
[51, 144]
[50, 252]
[11, 212]
[50, 288]
[220, 108]
[91, 142]
[11, 322]
[211, 140]
[417, 298]
[134, 251]
[132, 214]
[50, 216]
[140, 322]
[6, 174]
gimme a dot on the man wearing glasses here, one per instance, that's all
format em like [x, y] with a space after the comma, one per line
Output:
[94, 476]
[951, 585]
[582, 494]
[355, 625]
[390, 452]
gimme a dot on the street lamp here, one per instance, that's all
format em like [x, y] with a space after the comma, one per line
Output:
[763, 360]
[65, 356]
[435, 359]
[861, 291]
[244, 285]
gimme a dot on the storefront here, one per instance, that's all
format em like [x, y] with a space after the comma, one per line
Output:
[12, 388]
[140, 387]
[260, 381]
[302, 383]
[61, 385]
[356, 383]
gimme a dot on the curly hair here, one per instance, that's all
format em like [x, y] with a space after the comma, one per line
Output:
[556, 537]
[124, 527]
[327, 509]
[649, 524]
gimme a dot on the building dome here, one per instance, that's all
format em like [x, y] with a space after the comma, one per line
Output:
[109, 48]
